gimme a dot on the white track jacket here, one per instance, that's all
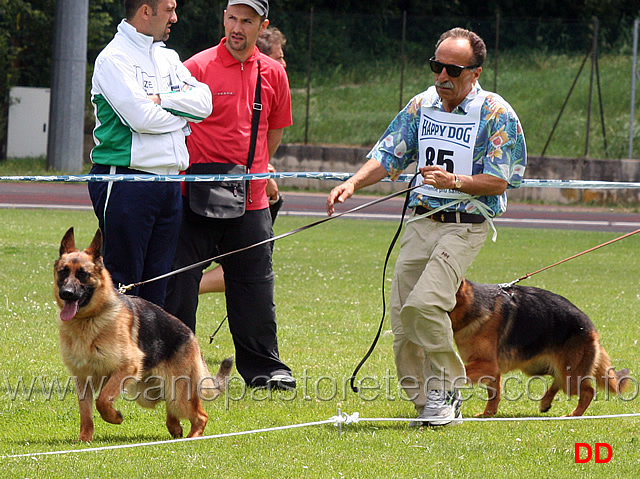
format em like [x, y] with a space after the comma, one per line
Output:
[131, 130]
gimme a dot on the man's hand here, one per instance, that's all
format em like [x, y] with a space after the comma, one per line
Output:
[272, 187]
[272, 190]
[482, 184]
[371, 172]
[339, 195]
[437, 177]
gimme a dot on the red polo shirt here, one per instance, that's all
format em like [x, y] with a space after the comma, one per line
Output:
[224, 136]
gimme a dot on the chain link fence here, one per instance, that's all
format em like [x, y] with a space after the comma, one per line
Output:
[351, 73]
[581, 114]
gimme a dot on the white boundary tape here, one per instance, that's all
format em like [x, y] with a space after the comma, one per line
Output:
[173, 441]
[338, 420]
[341, 418]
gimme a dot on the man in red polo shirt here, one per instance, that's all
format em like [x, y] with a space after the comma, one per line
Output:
[230, 70]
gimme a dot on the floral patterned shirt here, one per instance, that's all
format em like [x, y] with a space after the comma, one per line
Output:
[499, 150]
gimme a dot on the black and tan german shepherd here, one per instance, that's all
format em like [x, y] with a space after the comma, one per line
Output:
[115, 341]
[499, 329]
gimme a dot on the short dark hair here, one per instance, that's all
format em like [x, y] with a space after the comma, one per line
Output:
[477, 44]
[131, 7]
[270, 37]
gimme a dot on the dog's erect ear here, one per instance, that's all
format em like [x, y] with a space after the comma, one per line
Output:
[68, 243]
[95, 247]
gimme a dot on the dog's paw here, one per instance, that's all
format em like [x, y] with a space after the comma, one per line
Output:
[486, 414]
[174, 427]
[113, 417]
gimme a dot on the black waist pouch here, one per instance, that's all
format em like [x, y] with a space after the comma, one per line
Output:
[217, 200]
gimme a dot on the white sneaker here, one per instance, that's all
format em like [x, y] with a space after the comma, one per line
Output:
[442, 409]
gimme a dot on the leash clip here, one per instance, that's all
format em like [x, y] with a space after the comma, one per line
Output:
[122, 289]
[505, 286]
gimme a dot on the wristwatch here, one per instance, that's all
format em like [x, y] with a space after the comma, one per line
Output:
[458, 183]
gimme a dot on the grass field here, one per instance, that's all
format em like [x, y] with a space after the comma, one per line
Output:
[354, 106]
[328, 301]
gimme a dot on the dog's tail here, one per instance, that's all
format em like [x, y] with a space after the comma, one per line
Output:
[212, 387]
[607, 377]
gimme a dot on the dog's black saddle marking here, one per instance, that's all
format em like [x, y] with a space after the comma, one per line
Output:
[535, 319]
[160, 335]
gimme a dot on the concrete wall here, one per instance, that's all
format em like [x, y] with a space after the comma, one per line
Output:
[345, 159]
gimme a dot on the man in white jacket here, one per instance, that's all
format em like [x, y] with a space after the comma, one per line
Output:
[144, 99]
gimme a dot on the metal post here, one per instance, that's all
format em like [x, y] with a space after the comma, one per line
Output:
[566, 100]
[604, 130]
[495, 61]
[594, 54]
[68, 86]
[402, 56]
[634, 72]
[221, 9]
[306, 122]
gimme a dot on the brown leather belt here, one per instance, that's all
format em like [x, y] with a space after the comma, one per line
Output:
[451, 216]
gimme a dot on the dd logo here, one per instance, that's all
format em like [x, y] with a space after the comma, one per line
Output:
[589, 452]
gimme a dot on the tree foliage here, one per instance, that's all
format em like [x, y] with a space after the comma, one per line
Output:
[344, 33]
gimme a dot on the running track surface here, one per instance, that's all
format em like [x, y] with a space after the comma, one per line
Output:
[75, 197]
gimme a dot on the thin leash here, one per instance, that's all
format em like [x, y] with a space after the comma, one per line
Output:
[404, 209]
[217, 329]
[528, 275]
[503, 285]
[124, 288]
[352, 380]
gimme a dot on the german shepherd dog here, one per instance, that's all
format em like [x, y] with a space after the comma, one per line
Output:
[117, 341]
[498, 329]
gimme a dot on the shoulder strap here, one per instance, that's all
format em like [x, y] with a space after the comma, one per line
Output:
[255, 119]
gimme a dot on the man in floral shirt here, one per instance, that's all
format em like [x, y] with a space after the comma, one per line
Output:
[469, 148]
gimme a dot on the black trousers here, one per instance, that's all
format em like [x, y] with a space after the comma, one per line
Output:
[140, 223]
[249, 282]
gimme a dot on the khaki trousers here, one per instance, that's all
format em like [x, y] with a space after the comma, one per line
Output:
[433, 259]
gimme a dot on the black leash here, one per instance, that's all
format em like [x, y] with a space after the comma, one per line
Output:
[218, 329]
[384, 274]
[123, 289]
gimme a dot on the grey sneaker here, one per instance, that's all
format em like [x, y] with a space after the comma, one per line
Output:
[442, 409]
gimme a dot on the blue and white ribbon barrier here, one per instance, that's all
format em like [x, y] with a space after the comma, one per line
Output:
[318, 175]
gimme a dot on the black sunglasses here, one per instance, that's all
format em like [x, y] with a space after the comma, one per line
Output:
[452, 70]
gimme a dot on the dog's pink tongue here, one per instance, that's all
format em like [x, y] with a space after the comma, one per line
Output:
[69, 310]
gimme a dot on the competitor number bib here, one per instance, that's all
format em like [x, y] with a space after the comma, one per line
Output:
[447, 140]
